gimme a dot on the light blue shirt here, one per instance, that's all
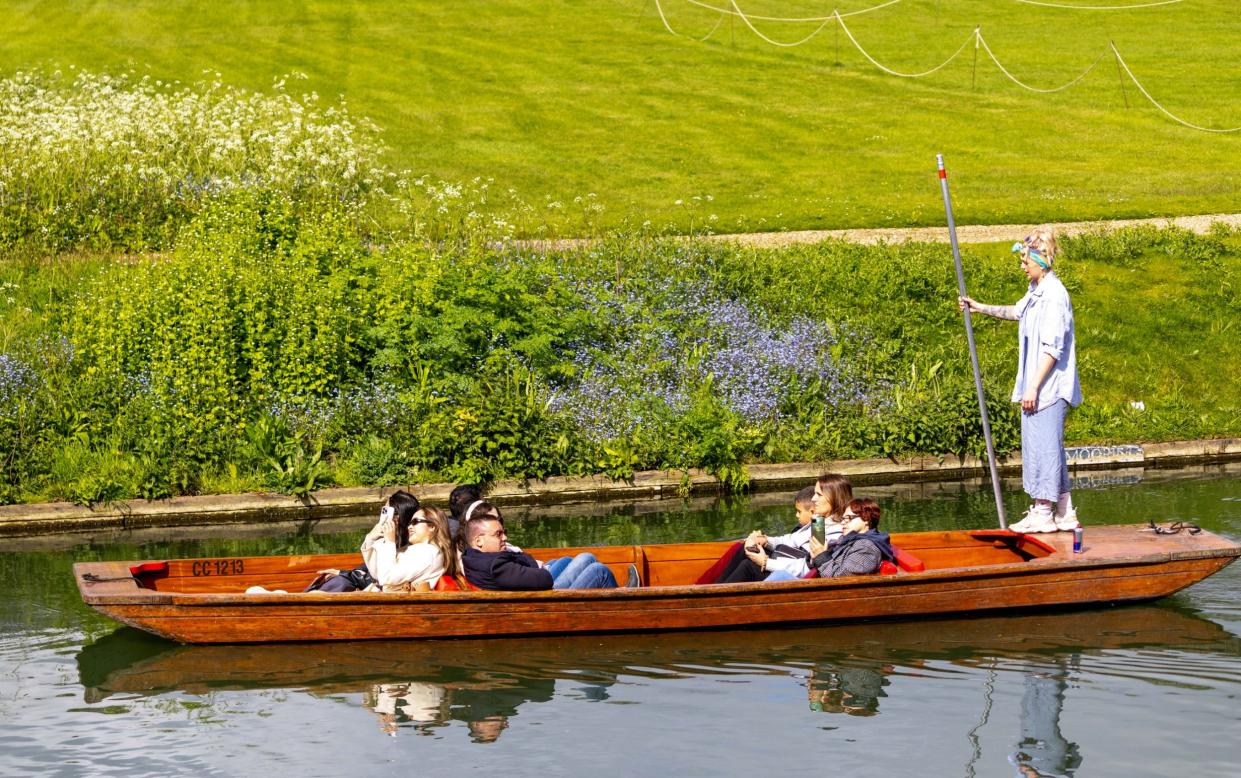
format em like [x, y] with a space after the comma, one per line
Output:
[1045, 326]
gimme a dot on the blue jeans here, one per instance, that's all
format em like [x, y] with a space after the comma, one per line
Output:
[780, 575]
[583, 571]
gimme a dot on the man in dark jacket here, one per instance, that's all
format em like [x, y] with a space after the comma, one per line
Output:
[489, 564]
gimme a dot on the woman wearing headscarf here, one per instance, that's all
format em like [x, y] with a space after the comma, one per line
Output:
[1047, 384]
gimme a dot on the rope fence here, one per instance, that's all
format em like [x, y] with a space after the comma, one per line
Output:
[1024, 85]
[1121, 61]
[975, 37]
[663, 17]
[890, 71]
[755, 30]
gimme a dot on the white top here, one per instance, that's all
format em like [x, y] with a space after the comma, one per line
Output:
[1045, 326]
[393, 570]
[799, 538]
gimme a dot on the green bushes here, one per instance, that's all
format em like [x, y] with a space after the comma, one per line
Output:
[274, 348]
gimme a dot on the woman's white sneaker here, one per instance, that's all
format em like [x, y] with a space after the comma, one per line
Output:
[1068, 522]
[1038, 519]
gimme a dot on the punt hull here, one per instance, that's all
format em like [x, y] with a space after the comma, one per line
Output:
[1001, 571]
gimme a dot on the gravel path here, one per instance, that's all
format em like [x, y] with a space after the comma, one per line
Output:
[985, 233]
[971, 233]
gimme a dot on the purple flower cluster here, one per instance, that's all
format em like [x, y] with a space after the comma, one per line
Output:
[662, 341]
[351, 412]
[18, 380]
[310, 415]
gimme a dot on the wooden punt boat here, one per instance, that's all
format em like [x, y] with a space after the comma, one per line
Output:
[966, 571]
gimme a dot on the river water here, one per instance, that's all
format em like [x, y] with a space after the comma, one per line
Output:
[1125, 691]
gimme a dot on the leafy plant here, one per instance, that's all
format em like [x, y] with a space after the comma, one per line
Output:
[378, 461]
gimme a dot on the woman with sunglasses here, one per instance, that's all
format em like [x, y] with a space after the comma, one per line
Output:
[408, 548]
[860, 550]
[417, 565]
[1047, 384]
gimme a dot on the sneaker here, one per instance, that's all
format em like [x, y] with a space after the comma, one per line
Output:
[634, 580]
[1038, 519]
[1068, 522]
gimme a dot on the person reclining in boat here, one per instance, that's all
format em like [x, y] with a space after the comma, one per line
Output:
[860, 550]
[790, 554]
[408, 549]
[459, 501]
[489, 562]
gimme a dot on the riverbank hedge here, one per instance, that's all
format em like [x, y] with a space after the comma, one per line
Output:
[278, 346]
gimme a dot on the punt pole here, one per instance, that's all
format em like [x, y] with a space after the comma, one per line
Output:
[969, 335]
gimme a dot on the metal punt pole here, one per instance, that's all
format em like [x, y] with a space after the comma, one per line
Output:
[969, 334]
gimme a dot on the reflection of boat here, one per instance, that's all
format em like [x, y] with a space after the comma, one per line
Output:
[202, 600]
[130, 662]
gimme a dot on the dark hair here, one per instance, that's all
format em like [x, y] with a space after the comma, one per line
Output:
[487, 510]
[405, 505]
[461, 498]
[867, 510]
[838, 490]
[804, 497]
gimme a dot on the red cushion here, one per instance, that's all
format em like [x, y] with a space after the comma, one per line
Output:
[887, 568]
[447, 584]
[813, 572]
[908, 562]
[713, 572]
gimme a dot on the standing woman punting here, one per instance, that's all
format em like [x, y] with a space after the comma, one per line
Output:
[1047, 384]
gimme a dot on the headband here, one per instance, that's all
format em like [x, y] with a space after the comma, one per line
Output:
[470, 510]
[1033, 253]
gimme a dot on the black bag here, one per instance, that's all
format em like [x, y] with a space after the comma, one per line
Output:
[359, 578]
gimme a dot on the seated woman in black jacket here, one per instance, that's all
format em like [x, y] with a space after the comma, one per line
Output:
[860, 550]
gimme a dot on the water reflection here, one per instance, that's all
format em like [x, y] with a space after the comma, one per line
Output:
[852, 690]
[1139, 690]
[419, 687]
[1043, 751]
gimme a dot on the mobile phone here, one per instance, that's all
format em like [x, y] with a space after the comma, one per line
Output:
[387, 513]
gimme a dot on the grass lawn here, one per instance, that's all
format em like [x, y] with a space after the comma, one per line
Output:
[561, 98]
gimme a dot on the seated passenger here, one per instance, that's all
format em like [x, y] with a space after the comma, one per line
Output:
[785, 557]
[860, 550]
[394, 521]
[584, 571]
[490, 562]
[428, 554]
[459, 501]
